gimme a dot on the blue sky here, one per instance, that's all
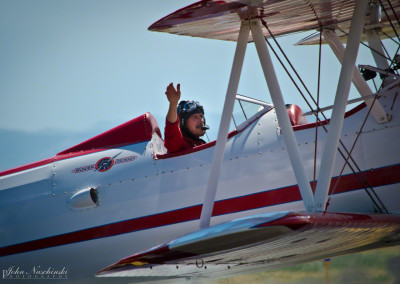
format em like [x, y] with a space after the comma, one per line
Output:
[72, 69]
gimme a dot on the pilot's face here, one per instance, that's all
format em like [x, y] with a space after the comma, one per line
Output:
[195, 124]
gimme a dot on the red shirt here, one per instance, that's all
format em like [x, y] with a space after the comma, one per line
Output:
[174, 141]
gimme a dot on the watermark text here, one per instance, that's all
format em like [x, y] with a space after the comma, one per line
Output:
[36, 272]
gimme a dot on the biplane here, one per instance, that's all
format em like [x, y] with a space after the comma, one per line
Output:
[277, 190]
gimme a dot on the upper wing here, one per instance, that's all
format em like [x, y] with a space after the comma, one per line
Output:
[217, 19]
[267, 240]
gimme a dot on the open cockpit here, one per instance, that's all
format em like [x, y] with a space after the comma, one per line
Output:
[145, 128]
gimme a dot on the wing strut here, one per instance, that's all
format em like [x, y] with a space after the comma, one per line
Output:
[337, 47]
[281, 113]
[342, 94]
[311, 202]
[279, 104]
[222, 137]
[373, 39]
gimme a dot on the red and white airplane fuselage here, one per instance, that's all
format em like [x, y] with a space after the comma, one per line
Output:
[120, 192]
[85, 208]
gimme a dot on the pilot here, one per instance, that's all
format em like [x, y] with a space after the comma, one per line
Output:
[185, 123]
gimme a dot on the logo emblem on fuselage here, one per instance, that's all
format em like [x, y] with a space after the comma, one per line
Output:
[104, 164]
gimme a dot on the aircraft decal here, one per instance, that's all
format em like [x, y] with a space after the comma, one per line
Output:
[104, 164]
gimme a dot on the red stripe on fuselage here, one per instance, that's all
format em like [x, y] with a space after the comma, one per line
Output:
[376, 177]
[48, 161]
[142, 223]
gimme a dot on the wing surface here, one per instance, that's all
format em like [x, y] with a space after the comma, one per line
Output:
[217, 19]
[269, 240]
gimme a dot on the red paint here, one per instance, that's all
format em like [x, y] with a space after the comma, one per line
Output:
[104, 164]
[325, 122]
[377, 177]
[207, 145]
[175, 141]
[48, 161]
[197, 148]
[139, 129]
[142, 223]
[296, 115]
[27, 167]
[197, 11]
[257, 200]
[294, 220]
[134, 131]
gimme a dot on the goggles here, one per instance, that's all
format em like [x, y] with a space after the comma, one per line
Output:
[189, 106]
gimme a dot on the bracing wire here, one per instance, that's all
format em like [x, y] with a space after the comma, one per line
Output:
[344, 166]
[395, 15]
[318, 120]
[316, 125]
[389, 37]
[387, 16]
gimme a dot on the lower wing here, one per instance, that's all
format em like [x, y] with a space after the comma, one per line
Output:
[269, 240]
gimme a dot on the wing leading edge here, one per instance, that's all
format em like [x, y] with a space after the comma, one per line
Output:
[269, 240]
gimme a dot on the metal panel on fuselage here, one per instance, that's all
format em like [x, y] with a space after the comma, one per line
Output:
[381, 142]
[42, 208]
[122, 189]
[25, 198]
[381, 148]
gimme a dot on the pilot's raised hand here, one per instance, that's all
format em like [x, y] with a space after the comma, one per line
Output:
[173, 96]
